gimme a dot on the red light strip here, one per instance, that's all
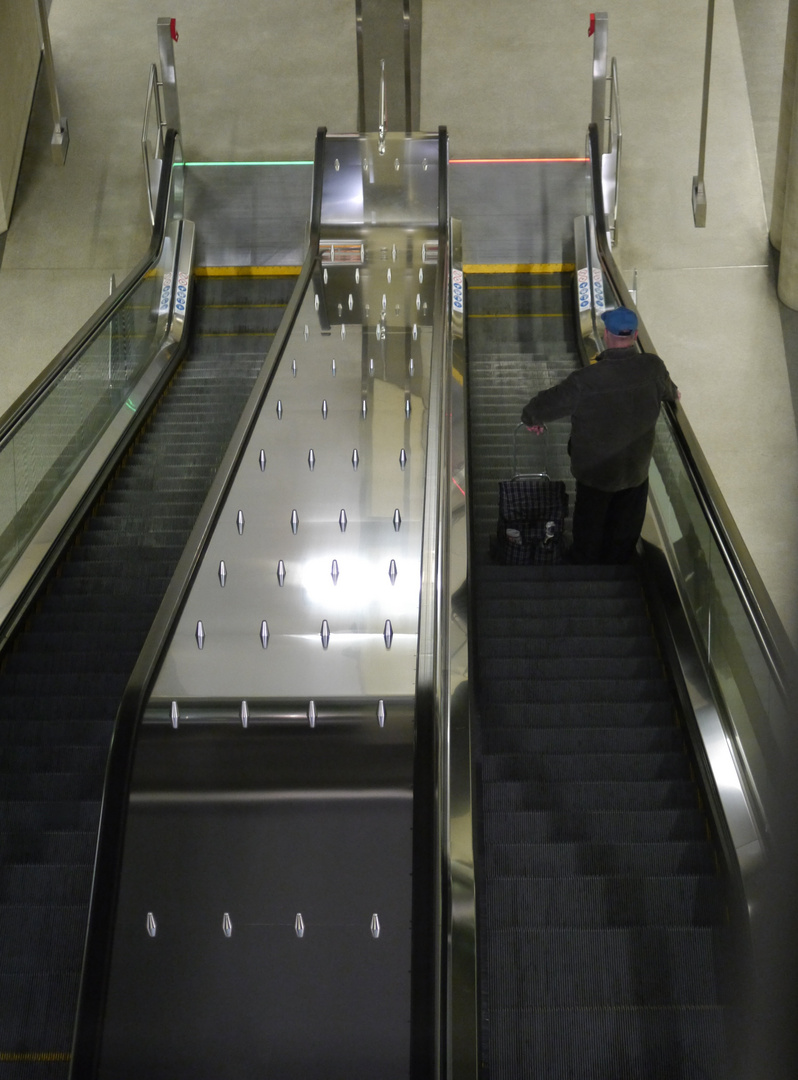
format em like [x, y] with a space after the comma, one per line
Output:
[513, 161]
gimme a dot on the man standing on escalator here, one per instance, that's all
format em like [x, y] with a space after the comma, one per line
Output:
[613, 405]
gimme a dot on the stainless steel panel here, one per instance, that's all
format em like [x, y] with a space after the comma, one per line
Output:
[290, 512]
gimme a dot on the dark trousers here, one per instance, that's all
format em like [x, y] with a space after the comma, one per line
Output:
[607, 524]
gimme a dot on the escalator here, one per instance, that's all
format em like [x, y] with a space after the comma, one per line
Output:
[64, 672]
[605, 942]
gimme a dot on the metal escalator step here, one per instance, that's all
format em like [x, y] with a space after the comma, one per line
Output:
[581, 740]
[28, 849]
[52, 786]
[576, 689]
[567, 768]
[543, 646]
[591, 858]
[624, 967]
[21, 727]
[37, 1002]
[67, 882]
[596, 901]
[571, 663]
[514, 795]
[576, 713]
[572, 825]
[46, 759]
[49, 815]
[605, 1043]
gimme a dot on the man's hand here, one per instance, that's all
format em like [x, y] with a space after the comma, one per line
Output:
[536, 429]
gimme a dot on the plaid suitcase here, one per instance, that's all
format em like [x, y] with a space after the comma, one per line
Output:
[532, 513]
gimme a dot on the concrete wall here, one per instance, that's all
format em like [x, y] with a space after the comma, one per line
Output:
[20, 50]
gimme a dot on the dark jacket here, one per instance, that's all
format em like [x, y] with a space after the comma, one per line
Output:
[613, 405]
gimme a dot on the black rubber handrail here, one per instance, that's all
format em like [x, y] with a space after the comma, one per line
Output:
[87, 1042]
[776, 646]
[17, 413]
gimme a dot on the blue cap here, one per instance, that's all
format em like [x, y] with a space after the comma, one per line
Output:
[620, 321]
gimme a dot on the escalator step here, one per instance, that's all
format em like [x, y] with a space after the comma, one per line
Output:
[585, 859]
[596, 795]
[581, 740]
[572, 825]
[607, 691]
[577, 713]
[598, 1043]
[622, 900]
[583, 768]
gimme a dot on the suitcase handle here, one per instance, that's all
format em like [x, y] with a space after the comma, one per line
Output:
[531, 476]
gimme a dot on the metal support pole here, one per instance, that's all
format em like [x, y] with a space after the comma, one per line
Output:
[599, 28]
[787, 116]
[60, 140]
[167, 36]
[699, 192]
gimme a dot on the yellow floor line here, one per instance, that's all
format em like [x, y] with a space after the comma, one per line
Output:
[247, 271]
[31, 1055]
[517, 268]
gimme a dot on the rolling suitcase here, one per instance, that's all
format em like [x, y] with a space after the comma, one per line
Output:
[532, 513]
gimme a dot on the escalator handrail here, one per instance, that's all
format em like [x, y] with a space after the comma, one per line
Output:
[775, 644]
[87, 1041]
[18, 412]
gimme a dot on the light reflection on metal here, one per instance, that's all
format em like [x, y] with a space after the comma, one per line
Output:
[393, 252]
[351, 302]
[389, 275]
[279, 409]
[343, 331]
[325, 633]
[152, 928]
[402, 458]
[363, 408]
[244, 714]
[174, 715]
[325, 276]
[415, 332]
[324, 408]
[281, 572]
[200, 633]
[340, 311]
[396, 164]
[240, 522]
[387, 633]
[222, 573]
[375, 926]
[407, 405]
[307, 332]
[412, 365]
[299, 926]
[264, 634]
[357, 275]
[392, 571]
[316, 299]
[294, 522]
[397, 519]
[421, 275]
[337, 165]
[355, 459]
[384, 302]
[262, 460]
[312, 713]
[418, 301]
[333, 367]
[371, 366]
[381, 713]
[293, 368]
[342, 520]
[227, 925]
[334, 571]
[311, 459]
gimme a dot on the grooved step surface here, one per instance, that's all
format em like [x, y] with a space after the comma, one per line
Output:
[61, 683]
[603, 940]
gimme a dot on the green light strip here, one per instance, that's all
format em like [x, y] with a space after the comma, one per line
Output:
[220, 164]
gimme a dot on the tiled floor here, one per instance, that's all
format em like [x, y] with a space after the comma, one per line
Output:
[508, 78]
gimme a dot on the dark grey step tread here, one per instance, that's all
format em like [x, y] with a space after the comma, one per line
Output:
[22, 727]
[50, 815]
[584, 740]
[583, 768]
[58, 883]
[573, 826]
[577, 689]
[539, 609]
[571, 665]
[562, 587]
[603, 860]
[609, 1043]
[576, 714]
[543, 647]
[32, 930]
[573, 968]
[560, 573]
[41, 759]
[55, 786]
[562, 625]
[589, 795]
[41, 847]
[623, 900]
